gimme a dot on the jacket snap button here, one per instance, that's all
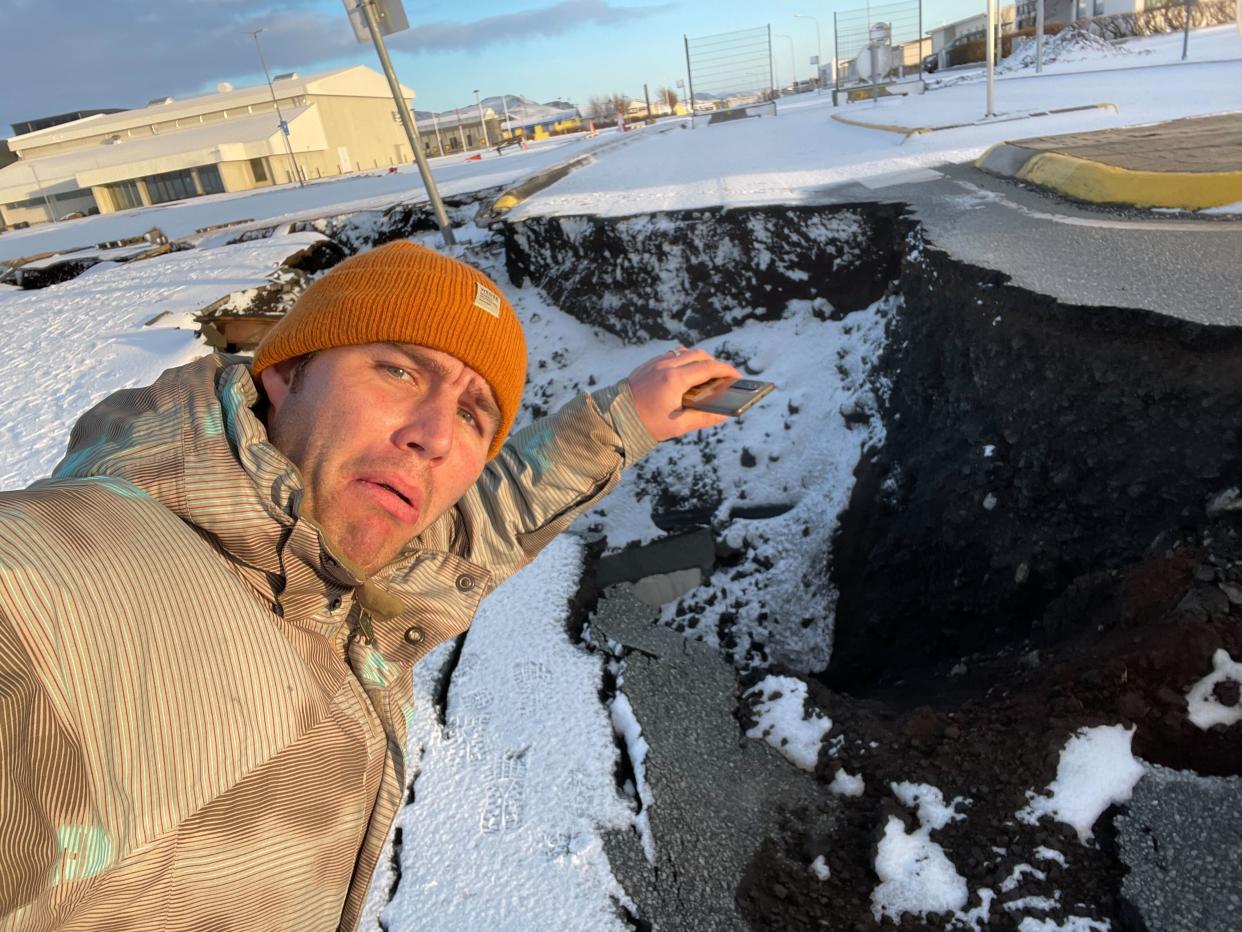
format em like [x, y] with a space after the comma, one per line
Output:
[465, 582]
[413, 635]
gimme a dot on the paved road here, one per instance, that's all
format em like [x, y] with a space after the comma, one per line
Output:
[1185, 267]
[1181, 839]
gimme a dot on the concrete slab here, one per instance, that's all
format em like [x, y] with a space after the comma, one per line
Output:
[716, 794]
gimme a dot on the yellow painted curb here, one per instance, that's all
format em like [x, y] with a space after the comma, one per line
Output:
[1097, 183]
[505, 202]
[866, 93]
[883, 127]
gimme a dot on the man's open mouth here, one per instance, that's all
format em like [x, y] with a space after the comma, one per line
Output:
[396, 492]
[401, 500]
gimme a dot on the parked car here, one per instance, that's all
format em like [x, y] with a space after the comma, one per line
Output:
[932, 62]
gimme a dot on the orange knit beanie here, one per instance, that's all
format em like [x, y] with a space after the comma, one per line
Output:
[405, 293]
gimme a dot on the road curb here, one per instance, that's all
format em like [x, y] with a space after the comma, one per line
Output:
[883, 127]
[1098, 183]
[909, 131]
[493, 213]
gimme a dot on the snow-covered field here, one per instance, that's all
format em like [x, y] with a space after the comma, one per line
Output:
[516, 785]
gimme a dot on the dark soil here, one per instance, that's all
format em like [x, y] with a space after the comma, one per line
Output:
[1138, 639]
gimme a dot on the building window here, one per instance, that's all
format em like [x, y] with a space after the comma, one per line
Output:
[171, 186]
[258, 169]
[209, 179]
[124, 195]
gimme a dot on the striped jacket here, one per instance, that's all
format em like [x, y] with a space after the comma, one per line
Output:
[202, 712]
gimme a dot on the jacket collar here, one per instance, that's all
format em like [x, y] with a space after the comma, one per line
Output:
[193, 442]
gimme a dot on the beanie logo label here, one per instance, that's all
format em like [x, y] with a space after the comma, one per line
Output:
[486, 300]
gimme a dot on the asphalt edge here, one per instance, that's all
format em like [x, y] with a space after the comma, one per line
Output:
[883, 127]
[909, 131]
[1096, 183]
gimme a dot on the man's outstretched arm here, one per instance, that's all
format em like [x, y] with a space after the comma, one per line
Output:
[553, 470]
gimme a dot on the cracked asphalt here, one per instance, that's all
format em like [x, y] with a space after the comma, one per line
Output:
[1174, 264]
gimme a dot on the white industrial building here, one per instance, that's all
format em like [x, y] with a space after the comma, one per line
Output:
[231, 140]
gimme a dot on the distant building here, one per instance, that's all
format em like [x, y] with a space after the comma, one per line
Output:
[546, 122]
[1055, 11]
[231, 140]
[33, 126]
[458, 130]
[972, 27]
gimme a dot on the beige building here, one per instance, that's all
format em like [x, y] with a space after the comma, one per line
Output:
[231, 140]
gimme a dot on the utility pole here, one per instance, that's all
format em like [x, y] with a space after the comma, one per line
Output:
[793, 68]
[284, 127]
[51, 214]
[1038, 36]
[1186, 32]
[819, 51]
[482, 122]
[366, 8]
[435, 124]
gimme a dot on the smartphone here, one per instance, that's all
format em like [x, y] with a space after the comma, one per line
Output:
[726, 396]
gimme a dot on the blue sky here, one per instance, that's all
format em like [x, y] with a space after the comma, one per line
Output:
[63, 55]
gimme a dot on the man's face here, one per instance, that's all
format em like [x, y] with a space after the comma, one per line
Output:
[387, 437]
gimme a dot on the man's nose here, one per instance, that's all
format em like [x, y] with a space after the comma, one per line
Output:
[428, 430]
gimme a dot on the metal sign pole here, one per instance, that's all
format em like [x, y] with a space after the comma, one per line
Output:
[991, 50]
[407, 121]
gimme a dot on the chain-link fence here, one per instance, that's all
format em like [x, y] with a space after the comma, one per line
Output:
[730, 74]
[879, 44]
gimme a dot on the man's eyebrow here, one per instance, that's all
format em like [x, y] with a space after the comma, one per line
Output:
[480, 396]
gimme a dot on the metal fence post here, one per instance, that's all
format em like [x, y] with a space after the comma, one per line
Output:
[689, 77]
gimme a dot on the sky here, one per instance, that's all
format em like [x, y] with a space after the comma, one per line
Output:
[58, 56]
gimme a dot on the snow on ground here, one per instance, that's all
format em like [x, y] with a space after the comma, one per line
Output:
[1096, 771]
[1071, 924]
[516, 784]
[803, 442]
[915, 875]
[784, 721]
[786, 159]
[505, 829]
[343, 194]
[1205, 709]
[70, 345]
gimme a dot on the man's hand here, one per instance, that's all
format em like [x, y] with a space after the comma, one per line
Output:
[659, 383]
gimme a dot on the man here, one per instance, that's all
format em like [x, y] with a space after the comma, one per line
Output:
[209, 615]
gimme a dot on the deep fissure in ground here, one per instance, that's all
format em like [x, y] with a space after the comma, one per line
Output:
[1029, 443]
[1053, 511]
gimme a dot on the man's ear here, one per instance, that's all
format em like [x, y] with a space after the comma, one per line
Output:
[277, 380]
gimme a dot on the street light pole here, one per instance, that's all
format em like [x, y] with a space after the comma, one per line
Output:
[819, 53]
[482, 122]
[407, 121]
[793, 68]
[284, 127]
